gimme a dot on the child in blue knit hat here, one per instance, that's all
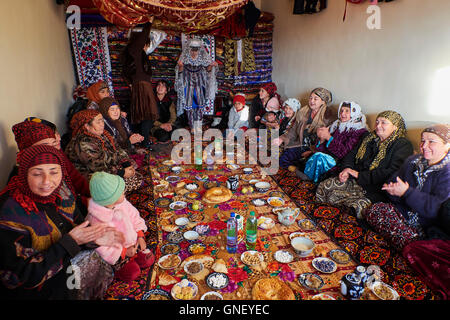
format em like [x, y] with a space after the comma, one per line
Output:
[109, 205]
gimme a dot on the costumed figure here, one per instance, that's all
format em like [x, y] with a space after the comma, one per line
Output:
[195, 81]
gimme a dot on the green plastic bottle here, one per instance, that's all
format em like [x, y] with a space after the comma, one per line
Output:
[251, 231]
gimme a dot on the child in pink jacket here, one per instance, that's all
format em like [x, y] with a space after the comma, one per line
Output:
[109, 205]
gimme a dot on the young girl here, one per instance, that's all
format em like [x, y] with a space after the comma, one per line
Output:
[108, 205]
[238, 117]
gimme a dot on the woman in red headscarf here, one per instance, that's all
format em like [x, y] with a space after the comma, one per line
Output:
[34, 131]
[42, 234]
[268, 100]
[93, 149]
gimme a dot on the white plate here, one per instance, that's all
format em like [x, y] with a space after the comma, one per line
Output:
[190, 235]
[213, 293]
[316, 263]
[259, 202]
[322, 296]
[266, 223]
[280, 253]
[168, 162]
[252, 252]
[166, 257]
[273, 199]
[182, 221]
[178, 205]
[182, 284]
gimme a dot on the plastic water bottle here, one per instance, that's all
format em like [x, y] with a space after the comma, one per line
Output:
[232, 233]
[251, 231]
[198, 157]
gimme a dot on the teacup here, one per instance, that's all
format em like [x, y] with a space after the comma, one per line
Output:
[176, 170]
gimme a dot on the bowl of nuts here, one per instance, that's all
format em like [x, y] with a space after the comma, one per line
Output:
[252, 257]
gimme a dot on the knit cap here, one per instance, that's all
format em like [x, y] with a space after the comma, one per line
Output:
[28, 133]
[106, 188]
[442, 130]
[239, 97]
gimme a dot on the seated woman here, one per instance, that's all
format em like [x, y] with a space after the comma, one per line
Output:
[336, 141]
[43, 234]
[93, 149]
[416, 191]
[288, 113]
[365, 169]
[34, 131]
[301, 136]
[267, 100]
[95, 94]
[117, 126]
[167, 122]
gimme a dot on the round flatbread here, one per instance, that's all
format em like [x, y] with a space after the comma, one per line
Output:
[272, 289]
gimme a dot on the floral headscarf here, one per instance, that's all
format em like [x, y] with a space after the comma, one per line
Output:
[396, 120]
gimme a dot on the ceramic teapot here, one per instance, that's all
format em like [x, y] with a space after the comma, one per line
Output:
[288, 216]
[351, 286]
[233, 183]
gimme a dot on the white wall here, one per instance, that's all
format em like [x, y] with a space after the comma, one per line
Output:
[394, 67]
[37, 76]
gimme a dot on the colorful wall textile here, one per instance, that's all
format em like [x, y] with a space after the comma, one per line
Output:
[91, 55]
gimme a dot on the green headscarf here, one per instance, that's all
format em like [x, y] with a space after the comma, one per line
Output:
[396, 120]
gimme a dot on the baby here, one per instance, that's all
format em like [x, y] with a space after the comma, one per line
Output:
[109, 205]
[269, 120]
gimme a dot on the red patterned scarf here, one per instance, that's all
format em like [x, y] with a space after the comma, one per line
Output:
[18, 187]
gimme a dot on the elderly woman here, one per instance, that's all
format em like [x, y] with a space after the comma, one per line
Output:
[368, 166]
[336, 141]
[301, 136]
[267, 100]
[43, 234]
[117, 126]
[287, 118]
[93, 149]
[416, 191]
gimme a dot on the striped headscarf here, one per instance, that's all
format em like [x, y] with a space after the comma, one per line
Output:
[28, 133]
[85, 116]
[18, 187]
[396, 120]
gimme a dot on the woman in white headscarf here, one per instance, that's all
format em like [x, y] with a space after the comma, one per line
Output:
[195, 81]
[336, 141]
[289, 110]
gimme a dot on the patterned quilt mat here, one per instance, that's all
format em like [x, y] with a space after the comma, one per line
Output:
[364, 245]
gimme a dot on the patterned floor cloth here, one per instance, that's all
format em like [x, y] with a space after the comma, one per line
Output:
[364, 245]
[142, 199]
